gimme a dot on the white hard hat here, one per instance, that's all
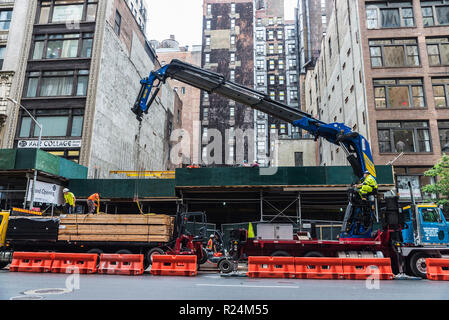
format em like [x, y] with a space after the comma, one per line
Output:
[211, 236]
[65, 190]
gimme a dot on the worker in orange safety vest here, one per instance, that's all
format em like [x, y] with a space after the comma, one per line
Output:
[92, 202]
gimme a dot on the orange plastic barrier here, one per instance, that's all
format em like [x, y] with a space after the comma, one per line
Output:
[318, 268]
[271, 267]
[31, 261]
[437, 269]
[363, 268]
[170, 265]
[125, 264]
[74, 263]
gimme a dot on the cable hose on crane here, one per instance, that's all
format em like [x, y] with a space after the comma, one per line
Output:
[137, 162]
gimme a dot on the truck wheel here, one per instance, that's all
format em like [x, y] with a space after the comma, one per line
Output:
[152, 252]
[225, 266]
[98, 252]
[417, 264]
[314, 254]
[280, 253]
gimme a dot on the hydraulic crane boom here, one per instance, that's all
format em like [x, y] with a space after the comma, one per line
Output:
[355, 146]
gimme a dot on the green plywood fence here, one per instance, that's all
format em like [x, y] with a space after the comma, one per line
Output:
[7, 159]
[26, 159]
[285, 176]
[123, 188]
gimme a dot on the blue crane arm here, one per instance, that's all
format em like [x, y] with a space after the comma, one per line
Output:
[355, 146]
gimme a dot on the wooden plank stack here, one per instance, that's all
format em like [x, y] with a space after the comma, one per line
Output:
[116, 227]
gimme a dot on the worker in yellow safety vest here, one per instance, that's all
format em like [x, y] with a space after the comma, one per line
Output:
[70, 201]
[367, 186]
[93, 202]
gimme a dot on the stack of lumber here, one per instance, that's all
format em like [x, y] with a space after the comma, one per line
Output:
[116, 227]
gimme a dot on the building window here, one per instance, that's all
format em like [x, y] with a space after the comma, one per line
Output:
[232, 40]
[323, 19]
[389, 15]
[435, 13]
[232, 8]
[271, 48]
[443, 131]
[440, 88]
[281, 64]
[330, 47]
[293, 95]
[260, 64]
[5, 19]
[259, 22]
[232, 75]
[280, 48]
[438, 51]
[57, 83]
[205, 112]
[231, 112]
[298, 159]
[232, 24]
[272, 95]
[279, 20]
[260, 49]
[404, 136]
[2, 55]
[281, 95]
[293, 78]
[270, 35]
[207, 41]
[291, 33]
[55, 123]
[56, 46]
[56, 11]
[260, 146]
[398, 93]
[260, 129]
[232, 57]
[208, 24]
[280, 34]
[292, 63]
[118, 22]
[204, 132]
[272, 79]
[270, 21]
[207, 57]
[271, 64]
[209, 9]
[259, 34]
[260, 80]
[281, 79]
[394, 52]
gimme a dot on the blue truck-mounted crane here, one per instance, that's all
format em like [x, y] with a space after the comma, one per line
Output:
[359, 215]
[406, 235]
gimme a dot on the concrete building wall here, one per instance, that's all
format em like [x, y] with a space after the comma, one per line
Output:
[287, 150]
[12, 71]
[190, 97]
[333, 89]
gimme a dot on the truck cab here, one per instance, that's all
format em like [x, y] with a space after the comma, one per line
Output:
[434, 229]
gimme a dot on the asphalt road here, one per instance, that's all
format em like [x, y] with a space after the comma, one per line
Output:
[47, 286]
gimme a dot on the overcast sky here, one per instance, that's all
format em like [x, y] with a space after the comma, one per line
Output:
[183, 18]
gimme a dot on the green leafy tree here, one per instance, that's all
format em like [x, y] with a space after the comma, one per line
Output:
[441, 186]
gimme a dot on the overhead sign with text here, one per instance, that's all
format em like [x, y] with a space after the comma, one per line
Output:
[46, 193]
[53, 144]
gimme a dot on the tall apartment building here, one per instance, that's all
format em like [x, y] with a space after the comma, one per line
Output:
[228, 50]
[275, 73]
[82, 62]
[12, 15]
[383, 72]
[139, 10]
[168, 50]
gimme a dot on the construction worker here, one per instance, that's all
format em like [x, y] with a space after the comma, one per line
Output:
[70, 201]
[367, 186]
[211, 243]
[93, 202]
